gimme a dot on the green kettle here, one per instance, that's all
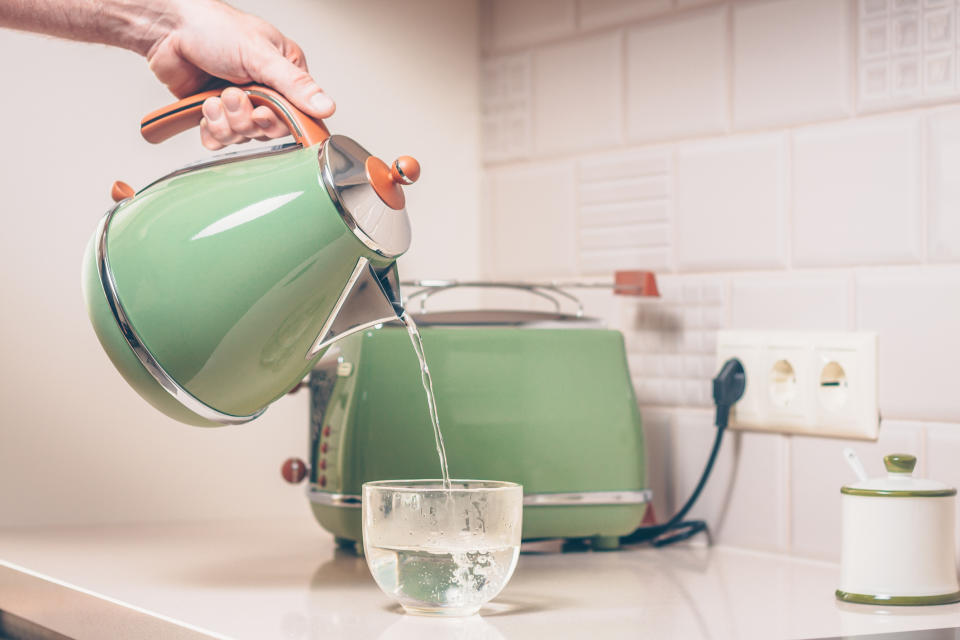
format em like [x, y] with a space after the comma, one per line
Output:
[216, 288]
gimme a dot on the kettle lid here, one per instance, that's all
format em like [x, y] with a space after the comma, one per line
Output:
[899, 481]
[368, 194]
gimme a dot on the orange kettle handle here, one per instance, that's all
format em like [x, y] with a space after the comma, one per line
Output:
[175, 118]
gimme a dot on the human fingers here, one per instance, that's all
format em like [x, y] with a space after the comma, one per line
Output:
[239, 112]
[206, 138]
[274, 70]
[269, 124]
[217, 124]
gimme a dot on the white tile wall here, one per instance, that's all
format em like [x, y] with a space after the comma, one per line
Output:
[791, 62]
[731, 203]
[509, 23]
[915, 313]
[856, 193]
[625, 211]
[602, 13]
[671, 343]
[804, 302]
[693, 47]
[907, 53]
[745, 502]
[505, 107]
[657, 442]
[943, 186]
[737, 150]
[577, 89]
[536, 204]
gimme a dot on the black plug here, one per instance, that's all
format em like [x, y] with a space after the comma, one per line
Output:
[728, 387]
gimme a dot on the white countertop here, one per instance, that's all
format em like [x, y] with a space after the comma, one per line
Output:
[285, 579]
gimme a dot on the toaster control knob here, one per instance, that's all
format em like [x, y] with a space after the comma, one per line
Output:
[294, 470]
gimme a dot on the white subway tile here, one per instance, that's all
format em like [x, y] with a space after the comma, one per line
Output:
[938, 29]
[643, 189]
[532, 227]
[875, 81]
[577, 93]
[744, 503]
[856, 193]
[939, 76]
[943, 187]
[905, 32]
[602, 13]
[907, 53]
[512, 24]
[656, 432]
[915, 312]
[791, 301]
[649, 162]
[625, 207]
[905, 78]
[791, 62]
[505, 107]
[712, 318]
[731, 203]
[818, 470]
[874, 39]
[677, 76]
[608, 260]
[874, 8]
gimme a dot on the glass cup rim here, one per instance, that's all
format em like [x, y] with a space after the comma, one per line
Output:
[405, 485]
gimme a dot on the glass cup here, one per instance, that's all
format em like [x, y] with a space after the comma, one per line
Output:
[442, 552]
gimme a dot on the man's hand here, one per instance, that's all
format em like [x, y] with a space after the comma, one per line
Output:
[211, 40]
[188, 44]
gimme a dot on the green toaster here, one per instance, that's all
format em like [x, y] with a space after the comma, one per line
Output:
[541, 399]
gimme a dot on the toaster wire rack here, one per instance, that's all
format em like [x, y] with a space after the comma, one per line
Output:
[627, 283]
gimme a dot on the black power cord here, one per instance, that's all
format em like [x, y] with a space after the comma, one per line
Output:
[728, 387]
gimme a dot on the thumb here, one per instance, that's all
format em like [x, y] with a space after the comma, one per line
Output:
[296, 85]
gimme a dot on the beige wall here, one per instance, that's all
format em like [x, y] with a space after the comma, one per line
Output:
[77, 445]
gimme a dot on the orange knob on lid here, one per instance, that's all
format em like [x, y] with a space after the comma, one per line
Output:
[386, 180]
[121, 191]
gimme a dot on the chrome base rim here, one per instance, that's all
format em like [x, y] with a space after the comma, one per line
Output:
[569, 499]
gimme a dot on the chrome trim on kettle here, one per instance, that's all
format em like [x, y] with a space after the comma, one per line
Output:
[344, 176]
[149, 362]
[365, 311]
[573, 499]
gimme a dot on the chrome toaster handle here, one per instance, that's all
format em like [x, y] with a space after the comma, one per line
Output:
[629, 283]
[426, 289]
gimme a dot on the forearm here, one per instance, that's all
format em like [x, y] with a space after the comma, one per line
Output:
[131, 24]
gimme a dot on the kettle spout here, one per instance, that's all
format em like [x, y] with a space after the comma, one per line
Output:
[370, 297]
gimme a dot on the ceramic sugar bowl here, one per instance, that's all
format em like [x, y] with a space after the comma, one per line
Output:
[898, 543]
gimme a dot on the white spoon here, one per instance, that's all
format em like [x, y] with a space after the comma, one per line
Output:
[854, 461]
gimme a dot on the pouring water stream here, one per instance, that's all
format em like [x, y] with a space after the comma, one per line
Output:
[428, 389]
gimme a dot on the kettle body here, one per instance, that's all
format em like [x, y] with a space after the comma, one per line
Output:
[215, 289]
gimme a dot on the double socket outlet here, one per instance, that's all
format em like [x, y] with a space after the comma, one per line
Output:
[813, 383]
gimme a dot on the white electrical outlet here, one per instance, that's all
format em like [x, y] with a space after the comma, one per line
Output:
[813, 383]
